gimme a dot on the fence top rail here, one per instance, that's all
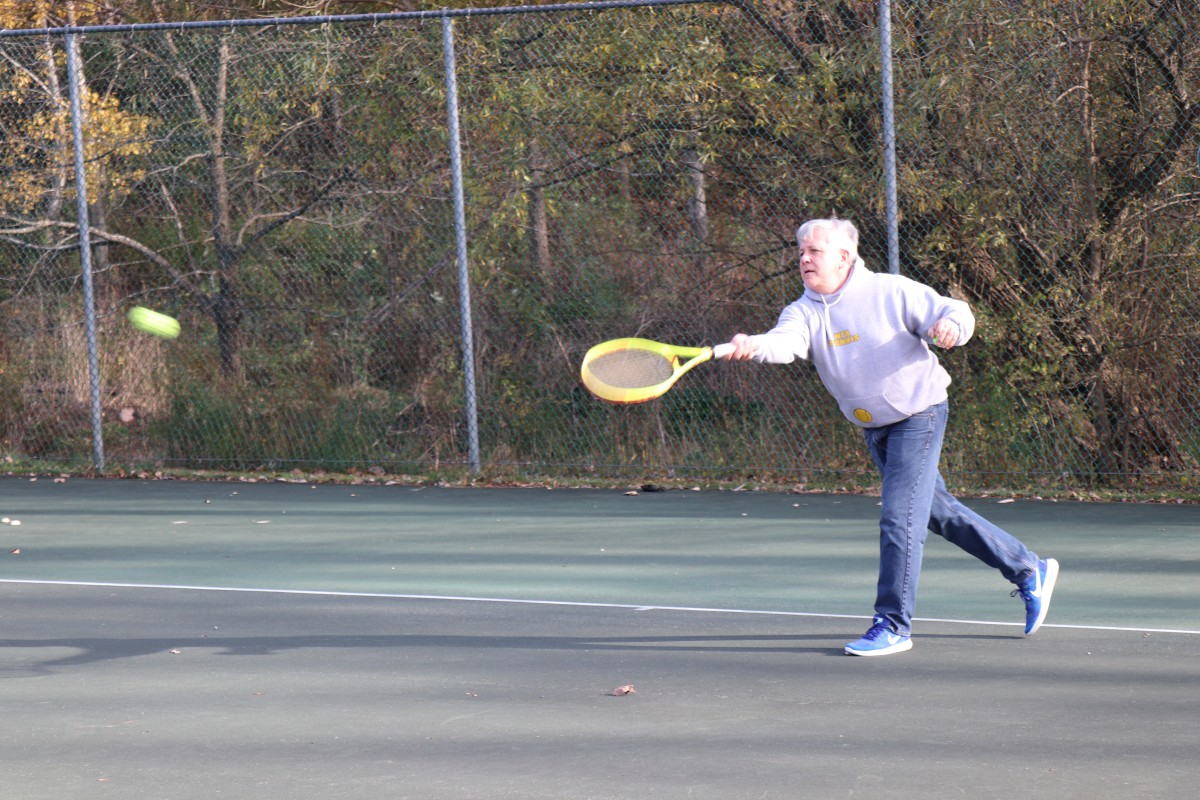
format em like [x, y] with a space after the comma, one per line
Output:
[343, 18]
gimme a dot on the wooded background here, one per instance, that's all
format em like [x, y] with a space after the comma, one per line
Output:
[285, 192]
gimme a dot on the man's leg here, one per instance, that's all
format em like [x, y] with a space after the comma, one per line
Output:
[907, 455]
[1035, 579]
[992, 545]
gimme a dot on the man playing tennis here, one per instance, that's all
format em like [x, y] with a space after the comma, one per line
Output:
[869, 335]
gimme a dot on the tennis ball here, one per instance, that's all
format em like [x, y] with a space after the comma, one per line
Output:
[153, 322]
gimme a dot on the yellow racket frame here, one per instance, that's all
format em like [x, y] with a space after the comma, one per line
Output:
[672, 353]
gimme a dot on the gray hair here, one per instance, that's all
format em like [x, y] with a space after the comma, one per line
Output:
[840, 231]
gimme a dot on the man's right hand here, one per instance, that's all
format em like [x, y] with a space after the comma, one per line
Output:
[743, 348]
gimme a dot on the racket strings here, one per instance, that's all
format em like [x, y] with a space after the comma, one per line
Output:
[631, 369]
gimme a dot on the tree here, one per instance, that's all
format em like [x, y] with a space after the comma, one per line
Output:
[39, 158]
[1039, 179]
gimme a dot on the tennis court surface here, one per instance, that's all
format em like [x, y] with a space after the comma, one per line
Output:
[167, 639]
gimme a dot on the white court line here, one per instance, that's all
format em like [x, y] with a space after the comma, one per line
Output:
[571, 603]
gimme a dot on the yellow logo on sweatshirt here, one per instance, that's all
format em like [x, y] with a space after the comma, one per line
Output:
[862, 415]
[842, 338]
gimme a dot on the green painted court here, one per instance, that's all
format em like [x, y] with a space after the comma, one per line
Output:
[188, 640]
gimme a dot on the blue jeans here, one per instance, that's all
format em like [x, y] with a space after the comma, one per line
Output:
[915, 501]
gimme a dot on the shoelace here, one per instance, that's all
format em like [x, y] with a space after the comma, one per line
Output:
[1025, 591]
[878, 629]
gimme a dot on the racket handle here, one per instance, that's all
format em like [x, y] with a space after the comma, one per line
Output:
[722, 350]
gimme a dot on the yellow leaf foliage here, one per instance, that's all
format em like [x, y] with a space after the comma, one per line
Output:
[19, 14]
[38, 153]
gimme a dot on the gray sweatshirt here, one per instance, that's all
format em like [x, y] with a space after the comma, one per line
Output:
[868, 341]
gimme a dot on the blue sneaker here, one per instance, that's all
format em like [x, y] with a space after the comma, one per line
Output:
[1036, 593]
[879, 640]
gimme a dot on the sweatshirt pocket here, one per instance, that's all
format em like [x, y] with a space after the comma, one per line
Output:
[873, 411]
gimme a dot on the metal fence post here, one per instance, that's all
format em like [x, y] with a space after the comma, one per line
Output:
[460, 239]
[889, 136]
[85, 248]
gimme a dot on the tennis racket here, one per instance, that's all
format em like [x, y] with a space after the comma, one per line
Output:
[636, 370]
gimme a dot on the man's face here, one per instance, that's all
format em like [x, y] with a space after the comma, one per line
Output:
[824, 265]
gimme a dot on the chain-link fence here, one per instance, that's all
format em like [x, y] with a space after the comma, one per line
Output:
[287, 192]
